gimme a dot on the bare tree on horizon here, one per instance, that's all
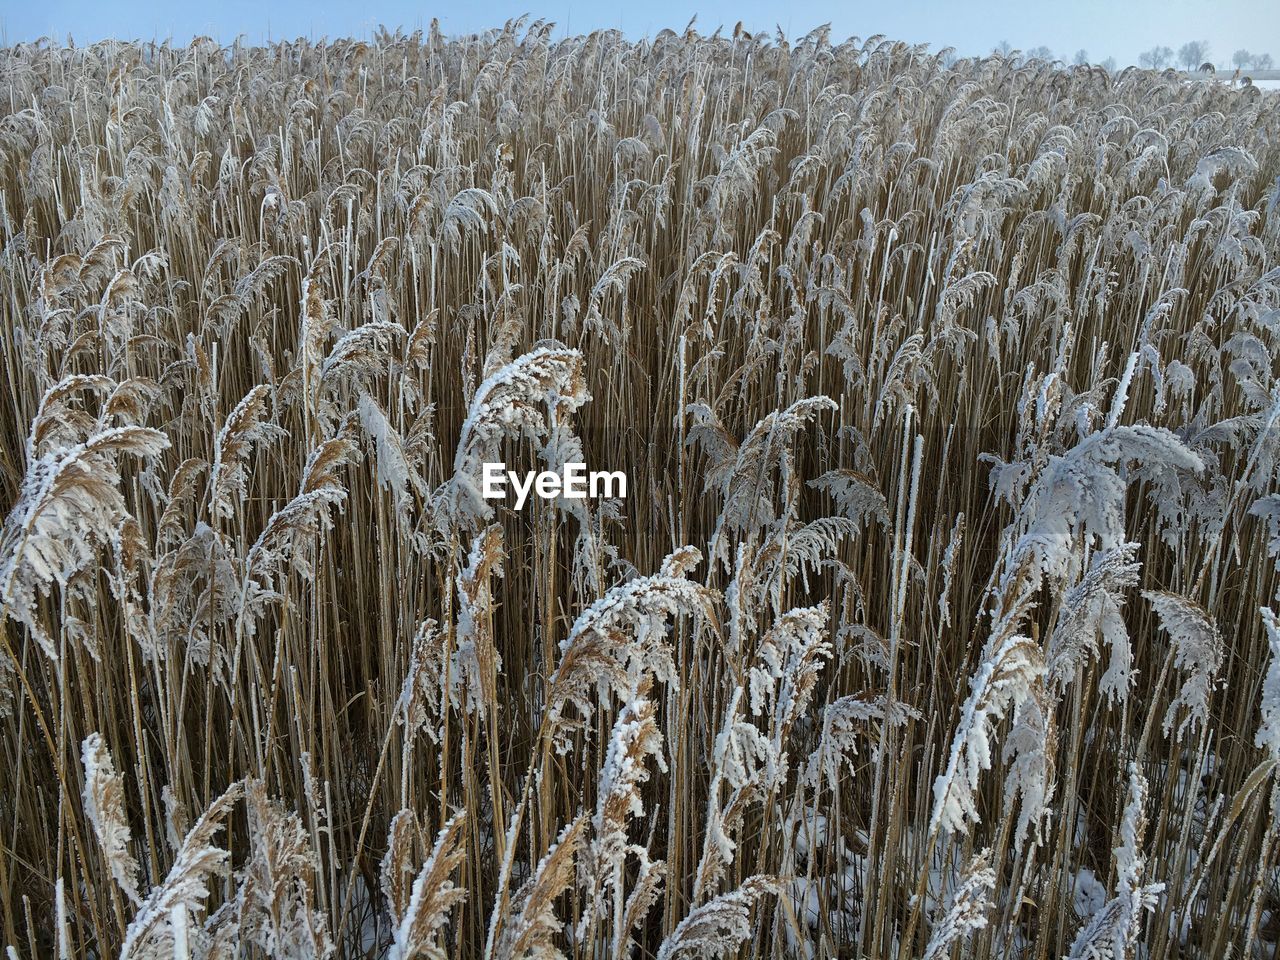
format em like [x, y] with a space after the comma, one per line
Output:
[1193, 53]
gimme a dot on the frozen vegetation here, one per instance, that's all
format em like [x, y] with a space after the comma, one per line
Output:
[937, 620]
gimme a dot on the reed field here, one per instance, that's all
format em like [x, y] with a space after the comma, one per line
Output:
[938, 619]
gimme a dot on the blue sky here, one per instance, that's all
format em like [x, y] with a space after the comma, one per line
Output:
[1105, 28]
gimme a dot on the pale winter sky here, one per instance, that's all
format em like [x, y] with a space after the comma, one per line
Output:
[1105, 28]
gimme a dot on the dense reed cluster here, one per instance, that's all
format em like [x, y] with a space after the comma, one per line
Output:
[938, 621]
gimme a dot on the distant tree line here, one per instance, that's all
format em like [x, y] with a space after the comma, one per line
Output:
[1195, 54]
[1244, 60]
[1190, 56]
